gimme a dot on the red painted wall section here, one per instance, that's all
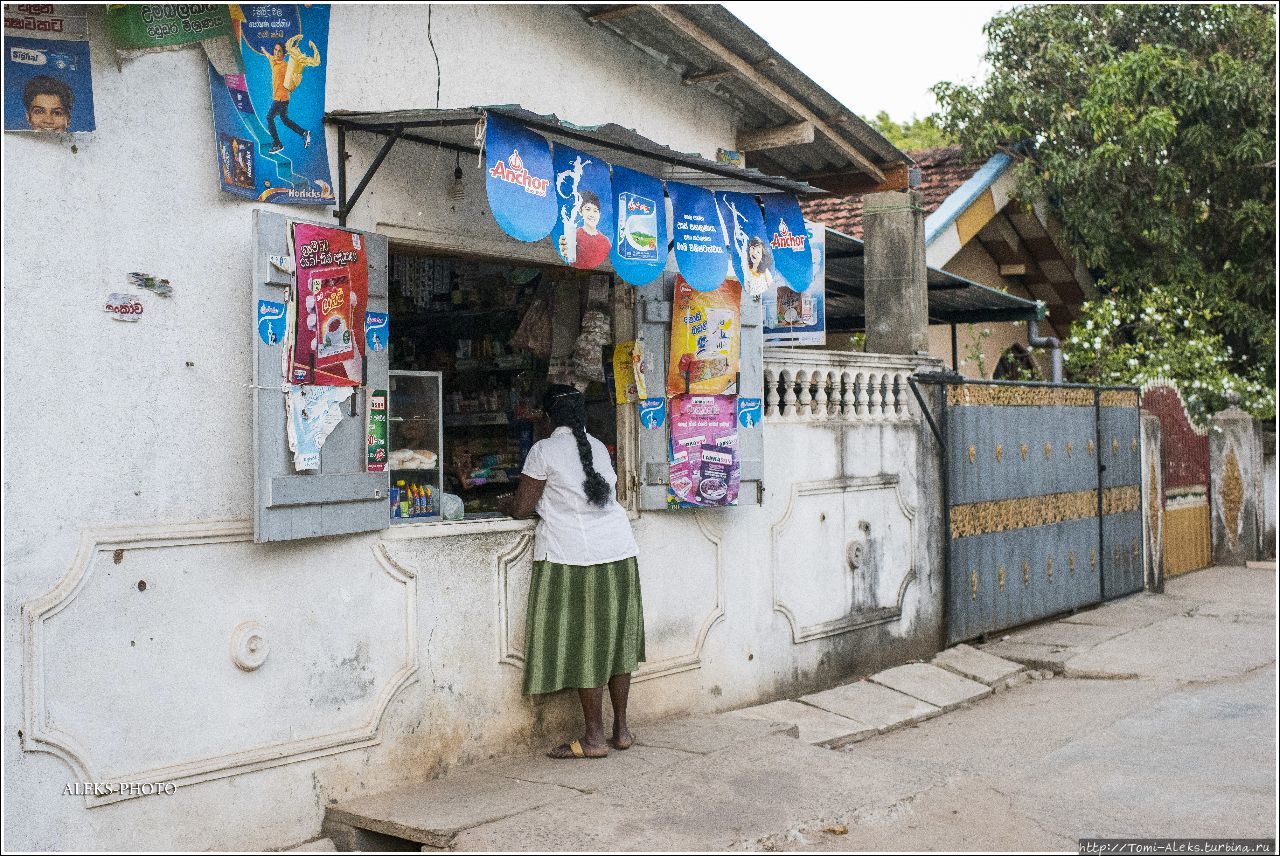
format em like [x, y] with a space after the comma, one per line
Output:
[1186, 447]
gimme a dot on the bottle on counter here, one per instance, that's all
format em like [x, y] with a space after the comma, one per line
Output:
[404, 499]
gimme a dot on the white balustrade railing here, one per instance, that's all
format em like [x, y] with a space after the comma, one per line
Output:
[840, 386]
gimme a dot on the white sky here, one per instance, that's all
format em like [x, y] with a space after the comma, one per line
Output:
[877, 56]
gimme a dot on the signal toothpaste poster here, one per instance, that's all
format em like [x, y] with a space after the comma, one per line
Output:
[269, 121]
[332, 290]
[706, 336]
[48, 86]
[704, 450]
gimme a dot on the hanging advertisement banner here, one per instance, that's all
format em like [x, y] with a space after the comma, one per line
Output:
[787, 237]
[706, 337]
[47, 85]
[269, 121]
[800, 317]
[150, 27]
[704, 450]
[518, 176]
[584, 230]
[749, 247]
[699, 236]
[46, 21]
[640, 251]
[332, 289]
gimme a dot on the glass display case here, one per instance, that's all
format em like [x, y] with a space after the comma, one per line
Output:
[417, 445]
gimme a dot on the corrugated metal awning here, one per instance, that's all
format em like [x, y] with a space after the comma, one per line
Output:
[710, 48]
[952, 299]
[454, 129]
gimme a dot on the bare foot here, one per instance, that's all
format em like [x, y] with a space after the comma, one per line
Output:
[622, 739]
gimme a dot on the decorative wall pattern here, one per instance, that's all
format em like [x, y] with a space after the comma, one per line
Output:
[236, 671]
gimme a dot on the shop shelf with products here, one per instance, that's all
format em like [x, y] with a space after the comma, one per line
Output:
[417, 445]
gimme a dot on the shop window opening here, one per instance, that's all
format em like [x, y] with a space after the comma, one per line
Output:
[473, 345]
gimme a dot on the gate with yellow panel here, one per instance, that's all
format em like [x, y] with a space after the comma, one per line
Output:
[1042, 497]
[1184, 470]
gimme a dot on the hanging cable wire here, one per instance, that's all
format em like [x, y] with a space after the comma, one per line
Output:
[434, 54]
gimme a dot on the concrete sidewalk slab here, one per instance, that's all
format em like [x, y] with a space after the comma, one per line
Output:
[1132, 612]
[434, 812]
[817, 726]
[1180, 648]
[1065, 635]
[1249, 589]
[582, 776]
[320, 845]
[873, 705]
[969, 662]
[1052, 658]
[721, 801]
[938, 687]
[709, 733]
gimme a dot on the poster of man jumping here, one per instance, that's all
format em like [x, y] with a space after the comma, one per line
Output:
[274, 111]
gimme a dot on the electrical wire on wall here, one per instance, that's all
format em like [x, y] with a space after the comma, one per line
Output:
[431, 42]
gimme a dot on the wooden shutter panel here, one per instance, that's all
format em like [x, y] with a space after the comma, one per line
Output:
[653, 323]
[340, 497]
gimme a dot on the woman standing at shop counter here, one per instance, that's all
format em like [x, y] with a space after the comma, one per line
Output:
[585, 625]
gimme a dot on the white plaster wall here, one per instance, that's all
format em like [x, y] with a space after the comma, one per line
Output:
[138, 438]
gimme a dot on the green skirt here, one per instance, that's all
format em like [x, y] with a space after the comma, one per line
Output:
[585, 625]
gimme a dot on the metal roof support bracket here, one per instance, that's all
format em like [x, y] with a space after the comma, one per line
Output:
[345, 205]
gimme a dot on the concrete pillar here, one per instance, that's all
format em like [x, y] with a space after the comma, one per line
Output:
[1235, 487]
[1153, 502]
[897, 296]
[1266, 434]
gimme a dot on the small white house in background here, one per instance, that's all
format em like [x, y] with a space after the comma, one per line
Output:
[151, 639]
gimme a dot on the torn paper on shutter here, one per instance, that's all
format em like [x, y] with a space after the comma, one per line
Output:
[311, 413]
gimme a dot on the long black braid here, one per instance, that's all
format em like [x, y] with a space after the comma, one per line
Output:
[565, 406]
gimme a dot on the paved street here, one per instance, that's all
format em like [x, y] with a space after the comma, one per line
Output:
[1153, 716]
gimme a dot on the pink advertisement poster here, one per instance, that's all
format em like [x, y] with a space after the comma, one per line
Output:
[704, 450]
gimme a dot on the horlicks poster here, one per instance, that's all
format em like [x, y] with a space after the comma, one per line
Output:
[699, 236]
[749, 248]
[583, 233]
[640, 251]
[269, 121]
[518, 179]
[792, 256]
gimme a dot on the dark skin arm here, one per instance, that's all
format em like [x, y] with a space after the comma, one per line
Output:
[522, 505]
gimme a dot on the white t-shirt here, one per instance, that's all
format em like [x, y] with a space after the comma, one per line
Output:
[572, 531]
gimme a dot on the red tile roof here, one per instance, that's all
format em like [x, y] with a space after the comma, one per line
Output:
[942, 171]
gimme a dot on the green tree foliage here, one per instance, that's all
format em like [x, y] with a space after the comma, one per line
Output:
[1152, 129]
[913, 134]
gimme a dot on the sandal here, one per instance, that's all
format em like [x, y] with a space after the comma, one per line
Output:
[573, 749]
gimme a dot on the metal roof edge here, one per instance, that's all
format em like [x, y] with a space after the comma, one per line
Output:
[964, 196]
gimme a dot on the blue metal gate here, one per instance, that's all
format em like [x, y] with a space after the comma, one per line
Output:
[1042, 496]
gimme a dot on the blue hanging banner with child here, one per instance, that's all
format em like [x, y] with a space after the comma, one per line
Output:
[518, 178]
[640, 251]
[269, 121]
[47, 85]
[583, 233]
[749, 248]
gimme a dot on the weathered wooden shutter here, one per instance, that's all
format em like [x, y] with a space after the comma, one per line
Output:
[340, 497]
[653, 324]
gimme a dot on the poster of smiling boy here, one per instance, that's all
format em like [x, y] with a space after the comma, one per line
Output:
[47, 86]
